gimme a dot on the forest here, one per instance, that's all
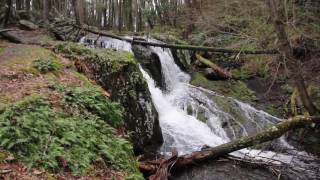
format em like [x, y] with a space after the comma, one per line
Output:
[160, 89]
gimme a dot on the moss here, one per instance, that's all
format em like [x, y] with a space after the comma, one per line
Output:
[314, 91]
[168, 38]
[22, 58]
[253, 67]
[118, 72]
[271, 110]
[4, 101]
[228, 107]
[82, 77]
[232, 88]
[3, 155]
[113, 58]
[1, 50]
[73, 49]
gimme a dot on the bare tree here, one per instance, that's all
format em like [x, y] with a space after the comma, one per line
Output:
[277, 11]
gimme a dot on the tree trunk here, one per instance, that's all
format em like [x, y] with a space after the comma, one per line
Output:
[78, 11]
[159, 167]
[276, 8]
[28, 5]
[19, 4]
[7, 13]
[45, 11]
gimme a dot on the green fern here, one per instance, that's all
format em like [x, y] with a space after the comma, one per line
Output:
[41, 137]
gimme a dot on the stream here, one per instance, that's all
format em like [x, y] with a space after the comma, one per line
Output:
[192, 118]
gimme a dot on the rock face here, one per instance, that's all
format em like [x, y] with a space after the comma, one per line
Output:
[28, 25]
[150, 62]
[182, 58]
[119, 74]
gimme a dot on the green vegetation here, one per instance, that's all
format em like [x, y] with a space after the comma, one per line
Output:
[46, 65]
[232, 88]
[90, 100]
[253, 67]
[74, 136]
[112, 58]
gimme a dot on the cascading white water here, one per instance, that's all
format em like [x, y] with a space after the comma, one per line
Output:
[185, 132]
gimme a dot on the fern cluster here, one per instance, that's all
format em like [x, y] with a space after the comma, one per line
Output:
[58, 140]
[46, 65]
[90, 100]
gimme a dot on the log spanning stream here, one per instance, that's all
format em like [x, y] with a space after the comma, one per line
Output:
[193, 117]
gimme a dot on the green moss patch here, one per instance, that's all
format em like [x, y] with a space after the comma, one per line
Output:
[253, 67]
[114, 59]
[232, 88]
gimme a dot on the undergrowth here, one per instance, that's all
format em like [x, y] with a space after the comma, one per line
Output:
[46, 65]
[74, 137]
[90, 100]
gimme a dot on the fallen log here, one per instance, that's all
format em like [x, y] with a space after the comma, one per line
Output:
[10, 37]
[156, 168]
[218, 71]
[7, 30]
[176, 46]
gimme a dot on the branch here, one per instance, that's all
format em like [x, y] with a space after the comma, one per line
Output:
[175, 46]
[269, 134]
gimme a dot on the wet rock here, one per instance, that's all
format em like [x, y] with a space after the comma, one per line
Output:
[211, 74]
[28, 25]
[225, 170]
[119, 74]
[150, 62]
[182, 58]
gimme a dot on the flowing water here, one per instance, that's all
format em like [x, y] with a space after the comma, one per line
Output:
[191, 118]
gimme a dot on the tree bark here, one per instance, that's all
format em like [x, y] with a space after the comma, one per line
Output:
[275, 131]
[276, 8]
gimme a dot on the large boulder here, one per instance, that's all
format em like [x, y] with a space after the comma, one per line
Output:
[150, 62]
[118, 73]
[28, 25]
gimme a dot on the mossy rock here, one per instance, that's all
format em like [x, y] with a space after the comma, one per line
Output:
[119, 74]
[232, 88]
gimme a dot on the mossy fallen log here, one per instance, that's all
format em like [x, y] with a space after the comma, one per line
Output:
[155, 168]
[178, 46]
[218, 71]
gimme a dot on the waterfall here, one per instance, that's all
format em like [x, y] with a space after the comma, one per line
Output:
[190, 119]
